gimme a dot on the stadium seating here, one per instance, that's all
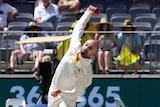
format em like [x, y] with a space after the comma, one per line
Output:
[157, 27]
[148, 2]
[100, 4]
[139, 8]
[64, 23]
[46, 26]
[9, 43]
[68, 14]
[142, 26]
[68, 19]
[63, 27]
[152, 50]
[18, 23]
[119, 102]
[156, 10]
[1, 27]
[11, 36]
[24, 17]
[15, 102]
[144, 14]
[154, 36]
[120, 17]
[24, 7]
[146, 17]
[6, 46]
[127, 3]
[111, 9]
[17, 27]
[117, 26]
[97, 18]
[84, 3]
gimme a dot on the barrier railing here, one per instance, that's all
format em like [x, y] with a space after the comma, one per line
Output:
[149, 54]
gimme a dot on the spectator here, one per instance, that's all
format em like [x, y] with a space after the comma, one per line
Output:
[63, 46]
[68, 6]
[7, 13]
[27, 50]
[47, 12]
[131, 40]
[107, 42]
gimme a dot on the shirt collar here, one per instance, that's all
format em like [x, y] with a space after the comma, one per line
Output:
[85, 61]
[44, 7]
[82, 61]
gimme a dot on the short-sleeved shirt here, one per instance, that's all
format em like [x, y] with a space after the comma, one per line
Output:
[5, 8]
[132, 41]
[31, 47]
[43, 12]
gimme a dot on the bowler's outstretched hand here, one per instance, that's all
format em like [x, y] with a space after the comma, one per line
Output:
[94, 10]
[55, 93]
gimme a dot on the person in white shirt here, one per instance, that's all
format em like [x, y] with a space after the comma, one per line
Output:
[7, 13]
[48, 12]
[74, 73]
[27, 51]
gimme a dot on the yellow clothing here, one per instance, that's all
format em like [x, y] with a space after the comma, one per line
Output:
[90, 27]
[126, 57]
[63, 46]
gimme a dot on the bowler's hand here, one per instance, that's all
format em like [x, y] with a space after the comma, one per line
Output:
[94, 10]
[55, 93]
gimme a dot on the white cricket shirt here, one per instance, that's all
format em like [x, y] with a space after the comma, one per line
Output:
[72, 78]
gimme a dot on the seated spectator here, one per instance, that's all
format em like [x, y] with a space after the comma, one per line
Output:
[7, 13]
[68, 6]
[107, 42]
[48, 12]
[63, 46]
[131, 40]
[27, 51]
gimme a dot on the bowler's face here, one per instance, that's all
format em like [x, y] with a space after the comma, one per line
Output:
[89, 49]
